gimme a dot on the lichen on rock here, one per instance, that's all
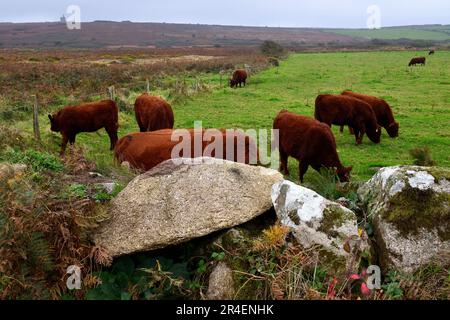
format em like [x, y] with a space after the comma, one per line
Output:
[320, 223]
[410, 210]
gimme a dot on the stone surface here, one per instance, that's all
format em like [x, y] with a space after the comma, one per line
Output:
[221, 285]
[174, 202]
[410, 210]
[316, 221]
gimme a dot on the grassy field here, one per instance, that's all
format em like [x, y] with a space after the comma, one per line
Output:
[49, 211]
[419, 96]
[434, 33]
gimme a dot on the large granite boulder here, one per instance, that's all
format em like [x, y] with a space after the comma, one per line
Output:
[175, 202]
[320, 223]
[410, 210]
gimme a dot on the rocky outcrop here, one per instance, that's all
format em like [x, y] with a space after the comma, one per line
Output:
[410, 210]
[175, 202]
[221, 286]
[318, 222]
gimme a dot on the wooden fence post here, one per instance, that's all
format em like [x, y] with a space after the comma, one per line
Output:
[112, 92]
[37, 133]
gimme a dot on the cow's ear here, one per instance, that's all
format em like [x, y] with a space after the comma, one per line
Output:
[50, 117]
[349, 169]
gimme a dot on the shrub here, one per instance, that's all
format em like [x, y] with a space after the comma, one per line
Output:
[11, 137]
[274, 61]
[325, 184]
[271, 48]
[39, 161]
[422, 156]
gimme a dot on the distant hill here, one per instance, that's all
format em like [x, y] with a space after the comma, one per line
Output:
[427, 32]
[100, 34]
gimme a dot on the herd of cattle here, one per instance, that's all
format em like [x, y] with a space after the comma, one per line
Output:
[309, 140]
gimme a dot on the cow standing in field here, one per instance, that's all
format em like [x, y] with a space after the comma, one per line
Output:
[239, 78]
[383, 112]
[145, 150]
[88, 117]
[344, 110]
[418, 60]
[431, 52]
[310, 142]
[153, 113]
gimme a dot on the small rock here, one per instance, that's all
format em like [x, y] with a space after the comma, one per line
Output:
[344, 202]
[125, 165]
[221, 285]
[109, 187]
[8, 171]
[95, 175]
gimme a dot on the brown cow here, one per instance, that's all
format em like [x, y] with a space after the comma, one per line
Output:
[87, 117]
[153, 113]
[310, 142]
[418, 60]
[146, 150]
[383, 112]
[239, 77]
[344, 110]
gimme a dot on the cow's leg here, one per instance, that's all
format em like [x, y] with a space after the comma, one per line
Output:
[142, 128]
[341, 129]
[350, 129]
[72, 139]
[112, 133]
[360, 135]
[65, 139]
[356, 133]
[302, 168]
[283, 162]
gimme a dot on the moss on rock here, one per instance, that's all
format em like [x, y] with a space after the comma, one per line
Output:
[334, 216]
[414, 209]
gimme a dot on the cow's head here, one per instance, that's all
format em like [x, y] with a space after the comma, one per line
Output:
[233, 83]
[374, 134]
[54, 123]
[344, 173]
[392, 129]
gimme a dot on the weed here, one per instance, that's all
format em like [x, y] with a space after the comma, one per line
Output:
[422, 156]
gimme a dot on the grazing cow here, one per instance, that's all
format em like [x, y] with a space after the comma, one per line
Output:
[153, 113]
[431, 52]
[383, 112]
[87, 117]
[418, 60]
[344, 110]
[239, 77]
[310, 142]
[146, 150]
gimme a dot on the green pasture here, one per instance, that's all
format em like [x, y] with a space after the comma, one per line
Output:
[419, 96]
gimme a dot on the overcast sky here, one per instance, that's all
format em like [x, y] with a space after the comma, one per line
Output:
[288, 13]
